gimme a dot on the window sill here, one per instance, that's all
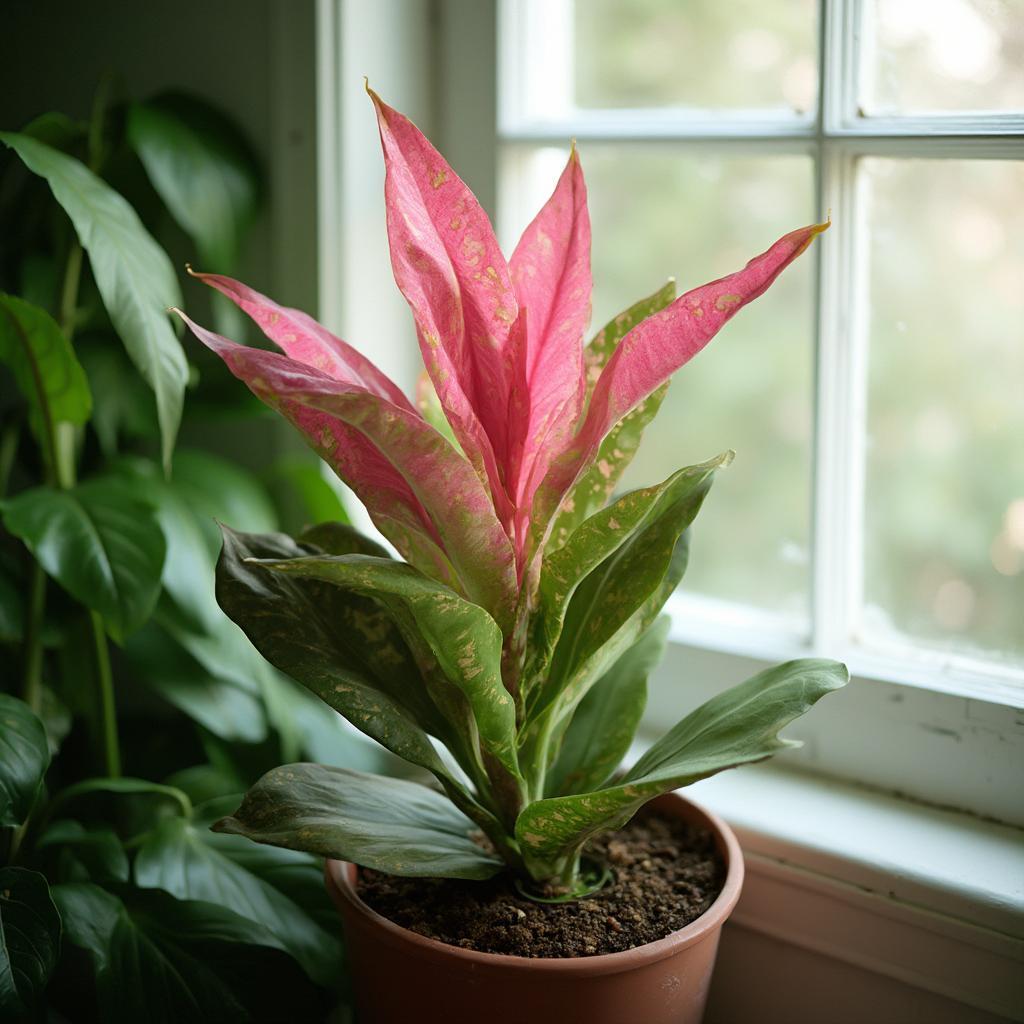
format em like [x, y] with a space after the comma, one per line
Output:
[932, 898]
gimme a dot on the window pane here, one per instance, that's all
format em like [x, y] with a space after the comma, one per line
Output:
[666, 210]
[945, 55]
[660, 53]
[945, 466]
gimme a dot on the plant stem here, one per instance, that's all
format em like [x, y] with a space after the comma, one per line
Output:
[8, 450]
[69, 289]
[108, 712]
[32, 680]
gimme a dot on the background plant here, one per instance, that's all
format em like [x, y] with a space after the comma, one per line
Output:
[521, 627]
[131, 708]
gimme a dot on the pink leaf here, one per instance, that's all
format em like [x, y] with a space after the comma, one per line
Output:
[448, 266]
[551, 274]
[387, 453]
[302, 338]
[654, 350]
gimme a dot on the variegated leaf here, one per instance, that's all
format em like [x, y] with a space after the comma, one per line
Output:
[456, 644]
[597, 482]
[386, 824]
[737, 727]
[449, 267]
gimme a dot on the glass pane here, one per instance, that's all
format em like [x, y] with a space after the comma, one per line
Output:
[945, 467]
[659, 211]
[944, 55]
[663, 53]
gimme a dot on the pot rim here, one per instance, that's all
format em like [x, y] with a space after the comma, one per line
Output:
[340, 876]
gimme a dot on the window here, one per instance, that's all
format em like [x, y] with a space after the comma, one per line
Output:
[875, 510]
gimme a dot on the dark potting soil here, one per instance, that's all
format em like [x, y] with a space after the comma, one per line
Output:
[665, 874]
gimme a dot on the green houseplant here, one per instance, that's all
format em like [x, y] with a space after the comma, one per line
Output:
[523, 616]
[132, 711]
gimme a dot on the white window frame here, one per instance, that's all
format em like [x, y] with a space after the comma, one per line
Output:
[939, 730]
[954, 710]
[870, 881]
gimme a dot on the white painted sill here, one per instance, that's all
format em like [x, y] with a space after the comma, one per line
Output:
[930, 897]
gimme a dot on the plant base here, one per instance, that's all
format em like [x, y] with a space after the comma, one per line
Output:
[397, 973]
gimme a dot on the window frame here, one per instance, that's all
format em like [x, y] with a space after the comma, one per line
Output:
[955, 707]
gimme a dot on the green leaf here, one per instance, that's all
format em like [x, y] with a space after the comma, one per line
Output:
[340, 538]
[609, 569]
[326, 738]
[221, 490]
[596, 485]
[131, 807]
[133, 274]
[602, 729]
[457, 645]
[126, 410]
[229, 709]
[24, 758]
[195, 864]
[84, 854]
[736, 727]
[29, 941]
[45, 370]
[98, 542]
[385, 824]
[163, 960]
[203, 170]
[339, 646]
[317, 497]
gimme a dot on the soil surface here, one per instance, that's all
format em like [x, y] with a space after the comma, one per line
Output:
[665, 874]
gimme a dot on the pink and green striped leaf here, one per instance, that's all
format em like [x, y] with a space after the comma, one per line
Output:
[449, 267]
[405, 472]
[648, 356]
[299, 336]
[551, 275]
[456, 644]
[596, 484]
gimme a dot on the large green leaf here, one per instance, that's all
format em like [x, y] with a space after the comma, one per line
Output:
[45, 370]
[129, 807]
[457, 645]
[29, 941]
[385, 824]
[304, 483]
[126, 410]
[193, 863]
[736, 727]
[98, 541]
[340, 646]
[228, 708]
[203, 170]
[343, 647]
[602, 729]
[598, 482]
[24, 758]
[609, 569]
[218, 489]
[80, 854]
[133, 274]
[163, 960]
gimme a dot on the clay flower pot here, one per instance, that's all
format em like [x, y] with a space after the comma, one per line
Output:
[400, 977]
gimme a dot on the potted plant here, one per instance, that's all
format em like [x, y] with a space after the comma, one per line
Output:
[506, 653]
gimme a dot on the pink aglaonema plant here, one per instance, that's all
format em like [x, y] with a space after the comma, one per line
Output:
[521, 624]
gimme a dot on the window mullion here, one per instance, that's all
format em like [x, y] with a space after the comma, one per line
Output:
[840, 354]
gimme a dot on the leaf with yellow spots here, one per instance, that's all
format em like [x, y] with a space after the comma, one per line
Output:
[456, 644]
[596, 484]
[380, 823]
[737, 727]
[593, 585]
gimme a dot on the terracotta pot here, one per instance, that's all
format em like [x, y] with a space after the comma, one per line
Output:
[400, 977]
